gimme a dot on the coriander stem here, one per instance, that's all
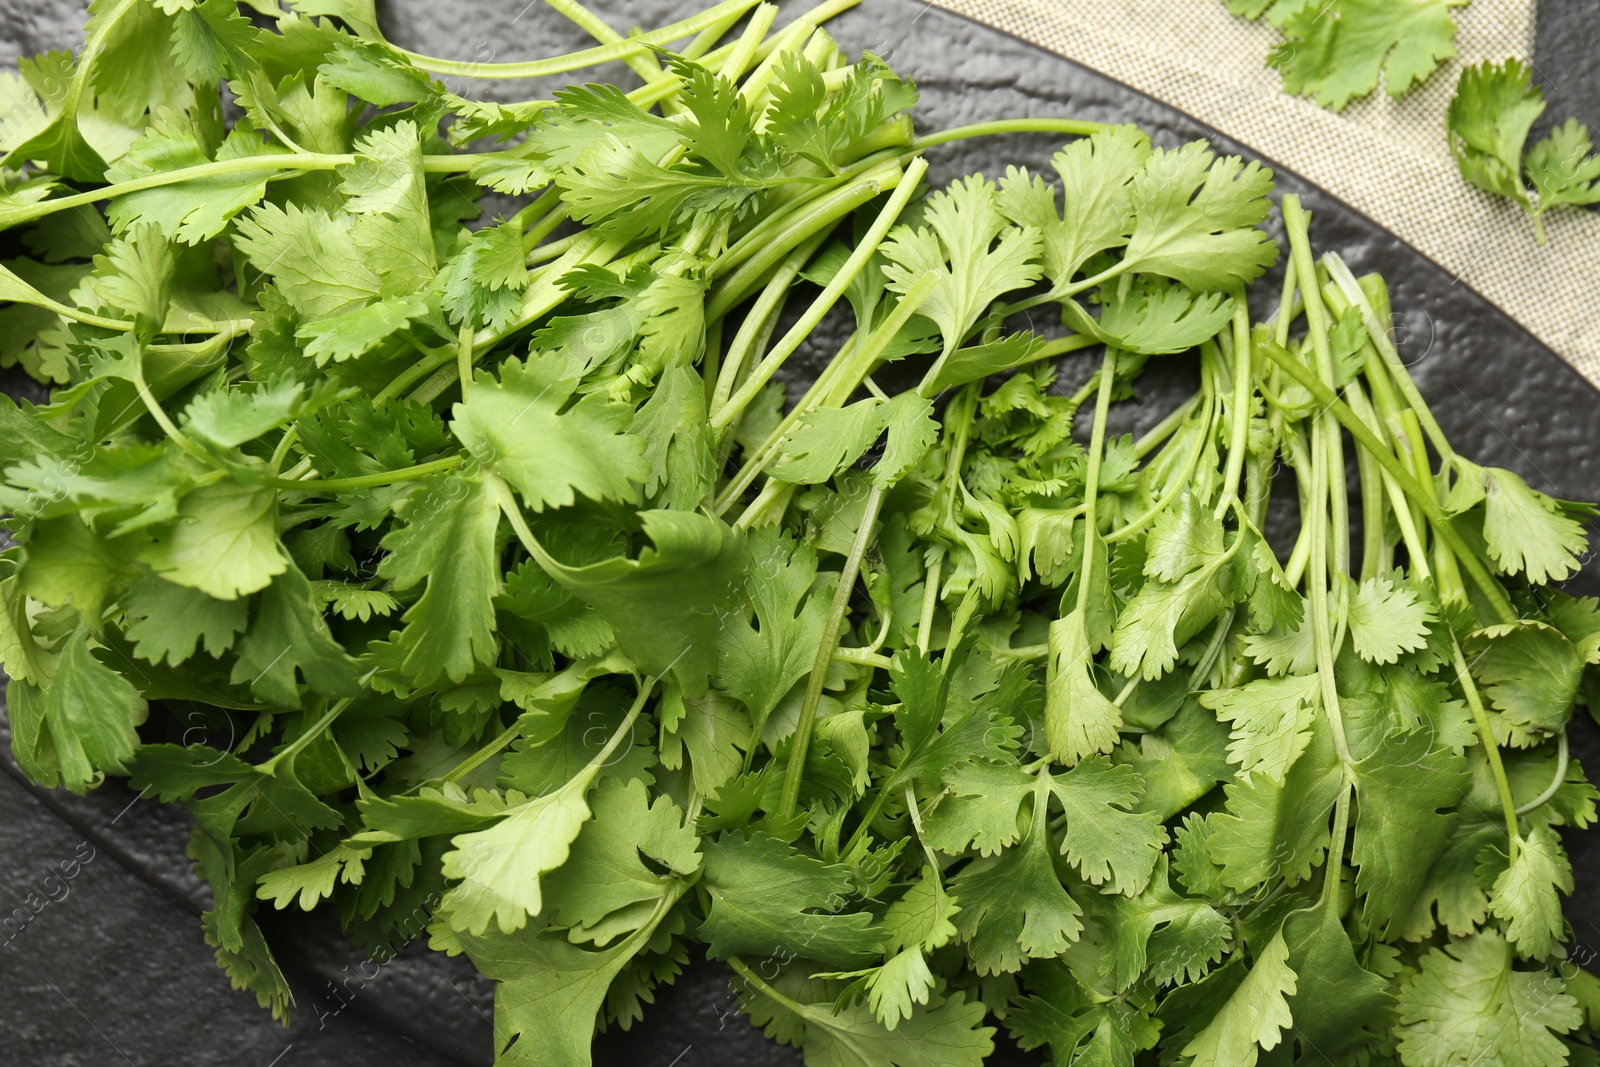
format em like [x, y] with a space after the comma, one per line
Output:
[827, 642]
[1242, 379]
[295, 747]
[760, 317]
[1091, 477]
[854, 366]
[267, 164]
[1378, 333]
[758, 252]
[589, 57]
[1491, 748]
[1070, 127]
[1491, 589]
[365, 481]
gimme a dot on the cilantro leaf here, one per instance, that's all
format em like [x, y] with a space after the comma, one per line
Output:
[448, 541]
[1525, 893]
[972, 251]
[1335, 54]
[1014, 907]
[765, 897]
[1253, 1018]
[1467, 1001]
[517, 427]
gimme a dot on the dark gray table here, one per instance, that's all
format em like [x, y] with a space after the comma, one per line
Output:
[112, 969]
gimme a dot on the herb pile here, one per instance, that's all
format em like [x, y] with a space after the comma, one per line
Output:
[495, 569]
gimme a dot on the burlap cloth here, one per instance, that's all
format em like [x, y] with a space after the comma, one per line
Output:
[1389, 159]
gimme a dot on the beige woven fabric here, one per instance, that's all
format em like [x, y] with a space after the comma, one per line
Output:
[1387, 158]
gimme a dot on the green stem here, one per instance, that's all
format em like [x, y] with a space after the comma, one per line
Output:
[1069, 127]
[295, 747]
[1491, 589]
[760, 251]
[827, 642]
[1378, 333]
[272, 163]
[1239, 440]
[853, 365]
[1480, 716]
[761, 317]
[1091, 478]
[365, 481]
[589, 57]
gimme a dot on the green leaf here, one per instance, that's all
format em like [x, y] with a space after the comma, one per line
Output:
[91, 712]
[1105, 840]
[760, 664]
[166, 622]
[312, 257]
[605, 890]
[483, 282]
[1079, 719]
[1527, 532]
[1338, 1005]
[1253, 1018]
[766, 897]
[355, 333]
[224, 542]
[499, 868]
[665, 605]
[948, 1032]
[1196, 218]
[548, 993]
[195, 209]
[1160, 933]
[1401, 787]
[1014, 907]
[287, 635]
[1269, 831]
[981, 810]
[1271, 720]
[517, 427]
[229, 418]
[826, 441]
[1097, 213]
[1335, 54]
[1387, 619]
[449, 540]
[970, 248]
[1564, 168]
[387, 190]
[1468, 1004]
[1154, 317]
[1526, 896]
[1531, 673]
[1489, 119]
[314, 880]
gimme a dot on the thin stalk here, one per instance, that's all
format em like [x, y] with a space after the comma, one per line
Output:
[641, 63]
[1378, 332]
[1069, 127]
[1480, 716]
[827, 642]
[587, 57]
[766, 245]
[283, 165]
[761, 318]
[1239, 440]
[298, 745]
[1491, 589]
[364, 481]
[852, 368]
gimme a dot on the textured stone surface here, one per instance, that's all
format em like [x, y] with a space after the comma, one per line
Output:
[125, 946]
